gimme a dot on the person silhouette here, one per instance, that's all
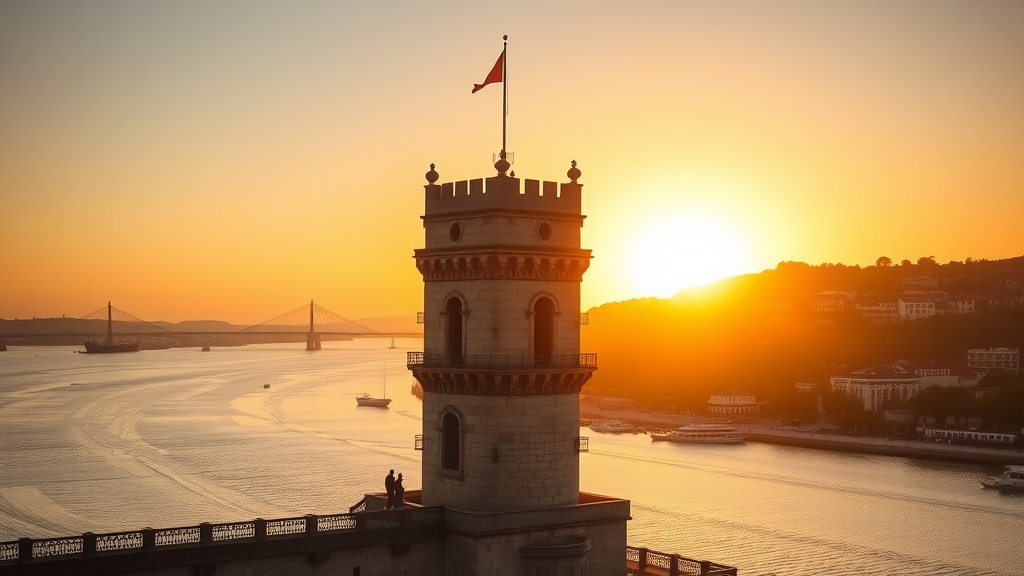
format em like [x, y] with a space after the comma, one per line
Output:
[399, 491]
[389, 486]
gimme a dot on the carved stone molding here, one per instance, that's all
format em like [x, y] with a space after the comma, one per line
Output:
[503, 268]
[502, 383]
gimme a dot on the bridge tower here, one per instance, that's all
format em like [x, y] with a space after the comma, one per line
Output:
[312, 338]
[501, 372]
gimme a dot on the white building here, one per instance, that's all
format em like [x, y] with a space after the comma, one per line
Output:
[877, 386]
[1005, 358]
[914, 308]
[732, 403]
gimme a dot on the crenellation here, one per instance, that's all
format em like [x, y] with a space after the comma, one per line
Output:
[502, 192]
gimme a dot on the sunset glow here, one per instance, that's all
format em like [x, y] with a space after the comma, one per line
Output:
[231, 161]
[687, 252]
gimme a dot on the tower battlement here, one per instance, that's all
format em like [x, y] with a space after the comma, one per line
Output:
[502, 192]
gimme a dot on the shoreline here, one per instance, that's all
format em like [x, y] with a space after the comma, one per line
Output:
[766, 431]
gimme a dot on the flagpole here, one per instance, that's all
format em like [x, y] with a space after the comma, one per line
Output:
[504, 100]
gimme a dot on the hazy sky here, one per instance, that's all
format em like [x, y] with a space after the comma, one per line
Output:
[232, 160]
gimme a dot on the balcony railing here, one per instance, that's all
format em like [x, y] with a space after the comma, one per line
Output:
[424, 360]
[640, 560]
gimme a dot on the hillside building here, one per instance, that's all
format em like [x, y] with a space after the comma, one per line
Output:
[878, 386]
[1004, 358]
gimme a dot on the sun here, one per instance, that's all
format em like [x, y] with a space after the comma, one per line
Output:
[683, 252]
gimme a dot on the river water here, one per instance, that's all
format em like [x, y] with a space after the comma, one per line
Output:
[167, 438]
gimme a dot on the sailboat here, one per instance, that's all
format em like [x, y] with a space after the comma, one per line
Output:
[367, 400]
[108, 345]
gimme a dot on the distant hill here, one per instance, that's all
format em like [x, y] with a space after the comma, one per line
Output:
[758, 332]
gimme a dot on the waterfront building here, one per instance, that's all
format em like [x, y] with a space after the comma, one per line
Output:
[1004, 358]
[879, 385]
[501, 371]
[733, 403]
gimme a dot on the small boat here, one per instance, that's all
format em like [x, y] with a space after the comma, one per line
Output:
[702, 434]
[367, 400]
[1011, 479]
[108, 345]
[206, 345]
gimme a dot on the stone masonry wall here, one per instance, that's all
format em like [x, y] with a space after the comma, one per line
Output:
[537, 460]
[499, 321]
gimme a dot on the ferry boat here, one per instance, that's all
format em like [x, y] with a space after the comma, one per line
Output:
[702, 434]
[1011, 479]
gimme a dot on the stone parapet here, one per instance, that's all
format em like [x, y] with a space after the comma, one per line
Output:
[501, 192]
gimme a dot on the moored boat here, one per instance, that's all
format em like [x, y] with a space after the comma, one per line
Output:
[1011, 479]
[702, 434]
[367, 400]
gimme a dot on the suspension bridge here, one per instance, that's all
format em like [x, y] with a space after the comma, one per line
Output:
[310, 321]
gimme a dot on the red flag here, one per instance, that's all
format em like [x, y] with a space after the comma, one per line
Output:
[495, 75]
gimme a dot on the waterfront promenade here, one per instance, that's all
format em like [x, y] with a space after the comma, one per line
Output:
[770, 431]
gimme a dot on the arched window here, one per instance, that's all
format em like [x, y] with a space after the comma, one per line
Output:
[543, 330]
[451, 439]
[453, 329]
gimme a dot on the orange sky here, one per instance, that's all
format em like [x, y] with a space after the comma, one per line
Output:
[232, 160]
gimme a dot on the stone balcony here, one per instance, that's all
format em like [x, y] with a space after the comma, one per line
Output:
[502, 375]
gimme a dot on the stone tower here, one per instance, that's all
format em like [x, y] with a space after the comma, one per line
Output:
[501, 371]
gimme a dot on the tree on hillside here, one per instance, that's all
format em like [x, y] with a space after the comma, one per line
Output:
[906, 262]
[926, 261]
[883, 262]
[843, 409]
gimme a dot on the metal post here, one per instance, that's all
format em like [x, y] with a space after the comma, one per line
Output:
[24, 550]
[310, 524]
[504, 99]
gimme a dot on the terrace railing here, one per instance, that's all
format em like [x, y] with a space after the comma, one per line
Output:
[639, 560]
[150, 539]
